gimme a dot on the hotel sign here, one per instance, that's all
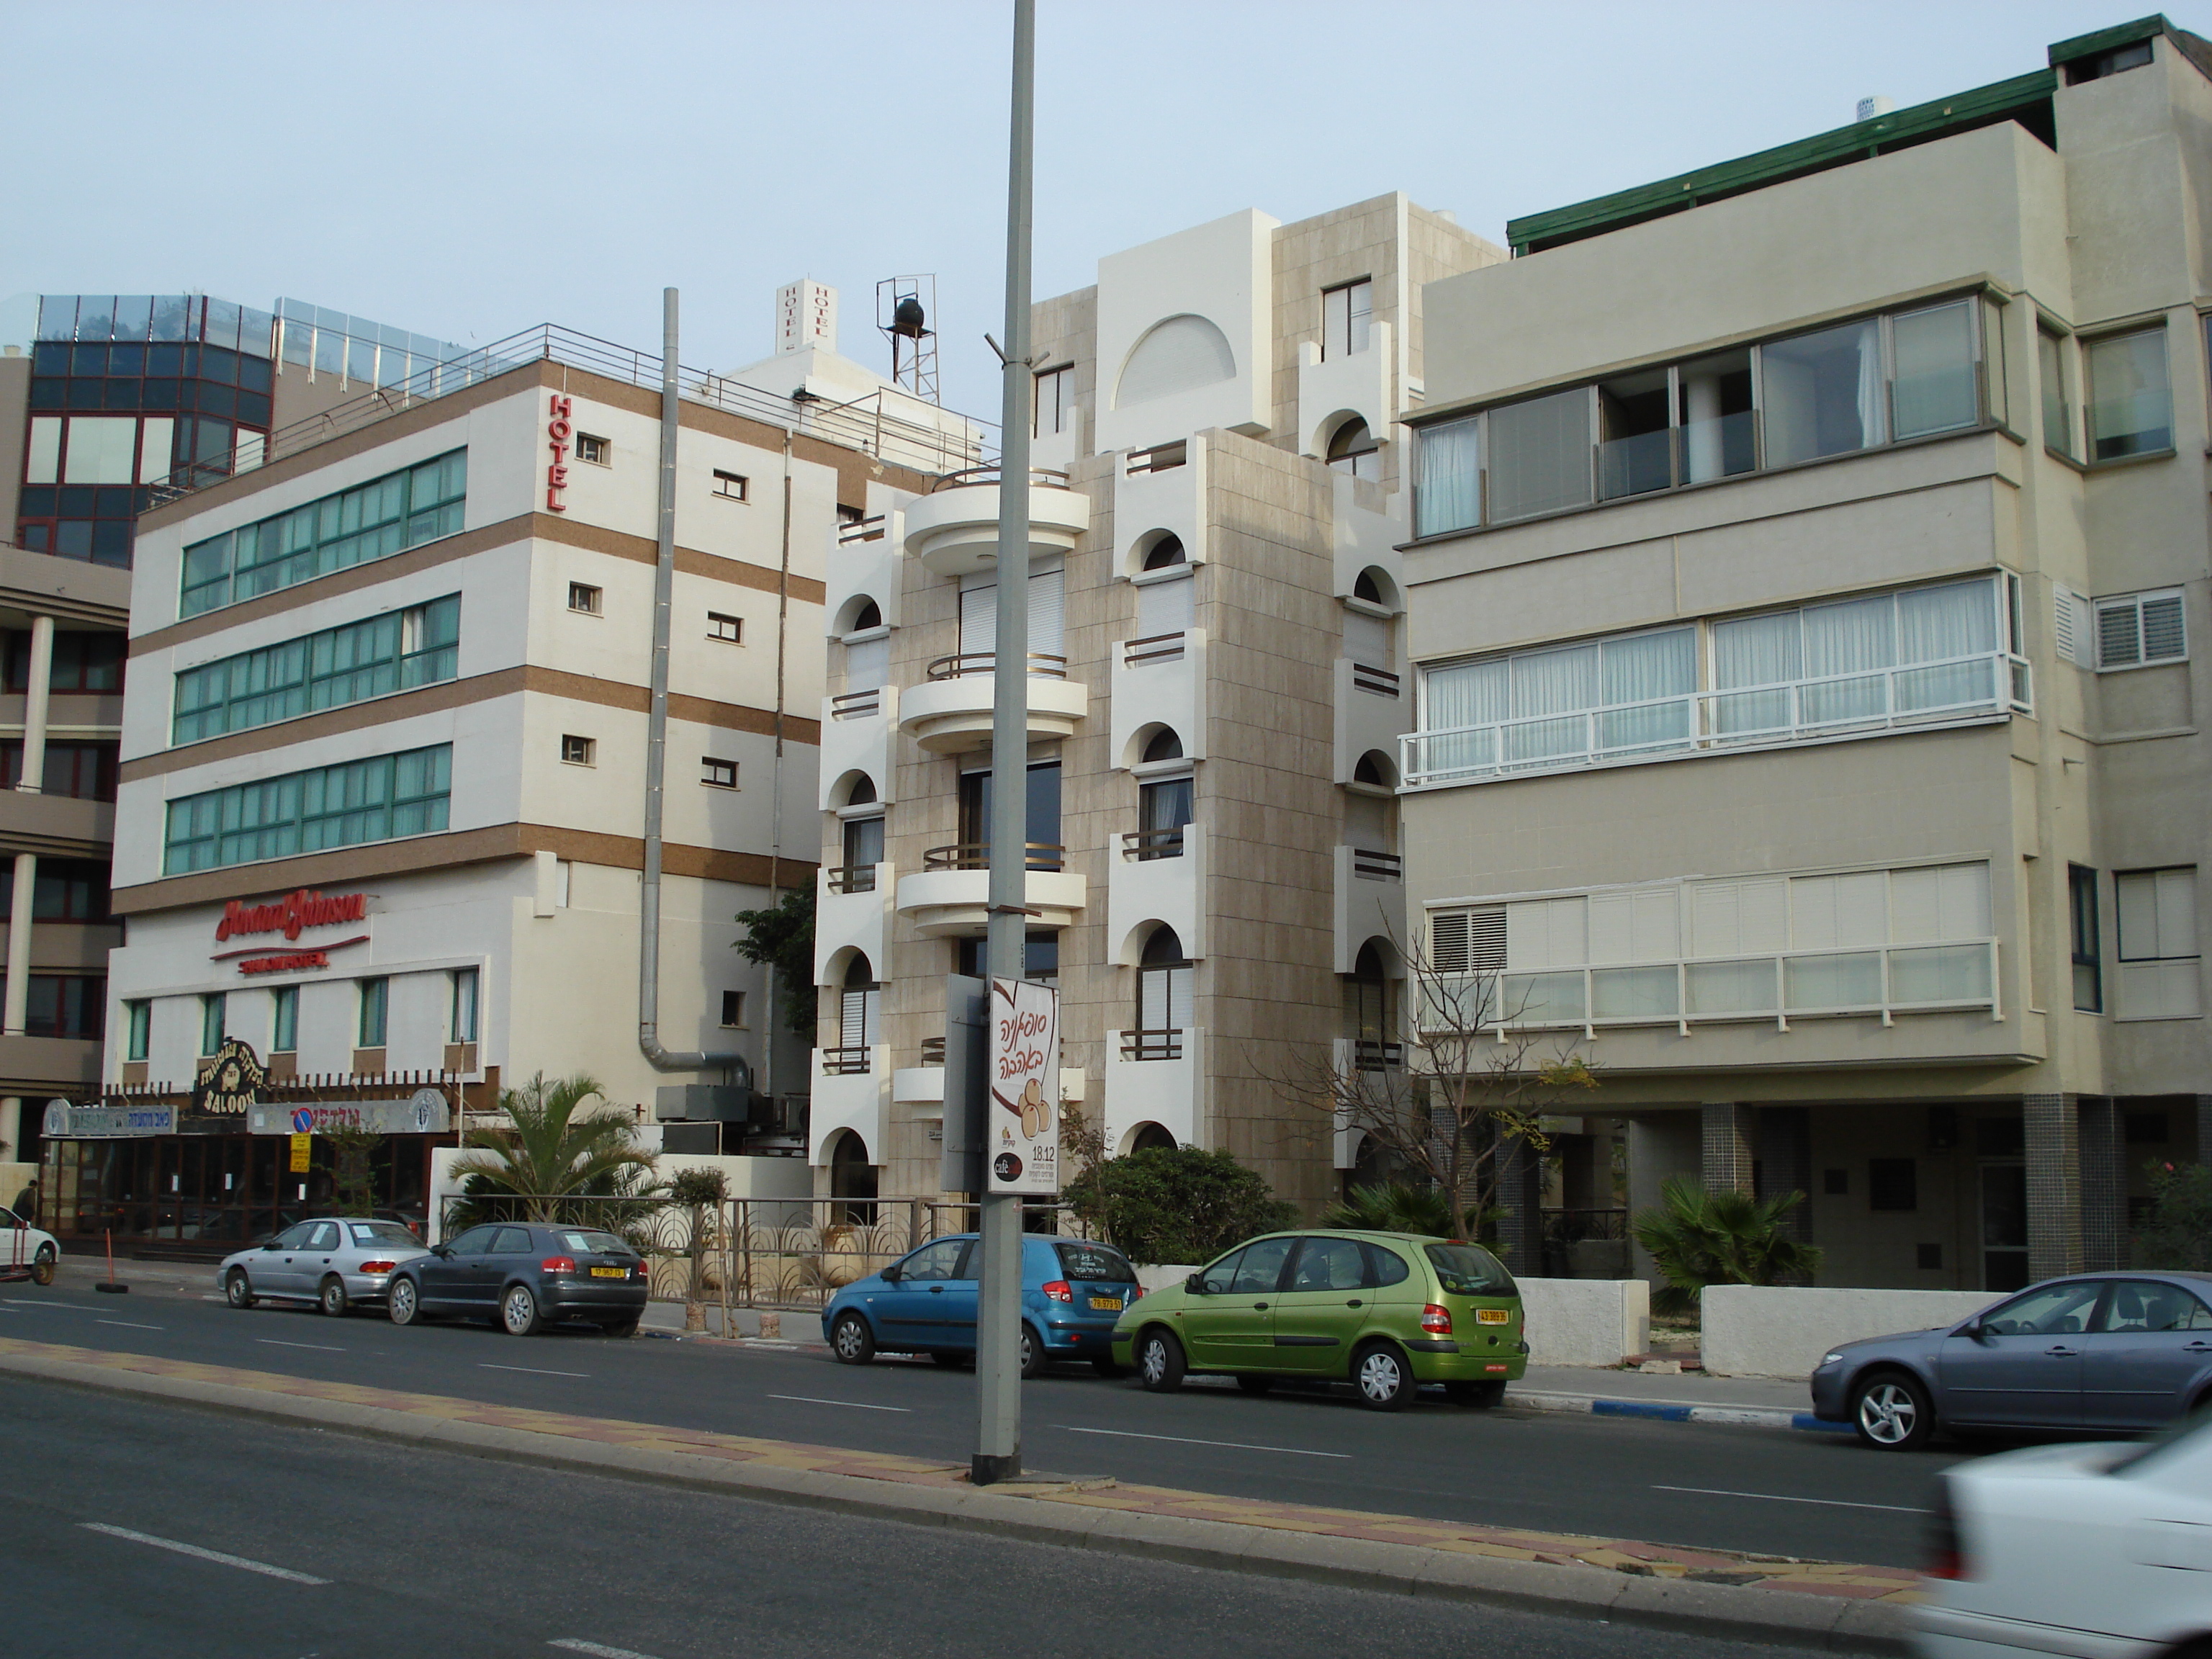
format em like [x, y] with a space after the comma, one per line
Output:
[291, 915]
[558, 431]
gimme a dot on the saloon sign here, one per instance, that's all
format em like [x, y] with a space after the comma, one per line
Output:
[230, 1084]
[290, 917]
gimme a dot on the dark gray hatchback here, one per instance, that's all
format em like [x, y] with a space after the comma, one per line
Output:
[2109, 1353]
[526, 1276]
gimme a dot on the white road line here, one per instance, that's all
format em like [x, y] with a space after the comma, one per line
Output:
[131, 1324]
[1777, 1498]
[195, 1551]
[1180, 1440]
[534, 1371]
[570, 1644]
[813, 1399]
[42, 1302]
[278, 1342]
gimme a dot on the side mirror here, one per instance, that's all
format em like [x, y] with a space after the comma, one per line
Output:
[442, 1251]
[273, 1245]
[890, 1275]
[1195, 1283]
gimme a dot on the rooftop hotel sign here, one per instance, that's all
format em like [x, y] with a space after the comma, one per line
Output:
[294, 913]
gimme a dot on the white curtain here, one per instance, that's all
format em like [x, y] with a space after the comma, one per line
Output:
[1858, 639]
[1639, 669]
[1465, 694]
[1448, 492]
[1560, 683]
[1757, 651]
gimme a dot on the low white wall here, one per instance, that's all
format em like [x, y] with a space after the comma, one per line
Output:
[1160, 1277]
[1759, 1330]
[1585, 1321]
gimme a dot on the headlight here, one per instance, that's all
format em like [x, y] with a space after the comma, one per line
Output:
[1831, 1359]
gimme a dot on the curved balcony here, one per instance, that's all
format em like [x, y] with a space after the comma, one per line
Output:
[954, 530]
[951, 893]
[951, 711]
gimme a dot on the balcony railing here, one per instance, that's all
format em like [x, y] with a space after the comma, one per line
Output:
[988, 474]
[932, 1051]
[1885, 981]
[1153, 1045]
[1158, 459]
[1365, 676]
[1368, 865]
[860, 530]
[1786, 711]
[1154, 647]
[976, 855]
[1142, 846]
[1042, 666]
[851, 1061]
[1371, 1054]
[857, 705]
[852, 878]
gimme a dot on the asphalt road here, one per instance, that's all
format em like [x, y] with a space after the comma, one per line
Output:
[140, 1528]
[1773, 1491]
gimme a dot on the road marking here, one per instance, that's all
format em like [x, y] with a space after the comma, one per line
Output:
[131, 1324]
[278, 1342]
[814, 1399]
[1180, 1440]
[534, 1371]
[42, 1302]
[194, 1550]
[1777, 1498]
[569, 1643]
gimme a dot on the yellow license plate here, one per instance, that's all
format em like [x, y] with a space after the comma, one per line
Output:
[610, 1273]
[1107, 1304]
[1492, 1316]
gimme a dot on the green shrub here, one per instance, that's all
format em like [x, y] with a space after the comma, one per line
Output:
[1698, 1238]
[2177, 1237]
[1396, 1207]
[1177, 1204]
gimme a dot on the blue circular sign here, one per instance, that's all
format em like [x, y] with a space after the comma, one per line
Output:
[302, 1121]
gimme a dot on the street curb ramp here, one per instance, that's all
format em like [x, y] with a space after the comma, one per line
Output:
[1740, 1613]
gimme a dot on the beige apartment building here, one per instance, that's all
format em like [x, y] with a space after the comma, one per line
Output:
[1810, 553]
[1214, 708]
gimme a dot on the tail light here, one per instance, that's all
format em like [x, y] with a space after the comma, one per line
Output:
[1060, 1291]
[378, 1267]
[1435, 1321]
[1946, 1554]
[558, 1264]
[1136, 1293]
[640, 1269]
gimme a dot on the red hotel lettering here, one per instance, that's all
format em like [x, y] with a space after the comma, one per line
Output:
[557, 475]
[288, 916]
[284, 964]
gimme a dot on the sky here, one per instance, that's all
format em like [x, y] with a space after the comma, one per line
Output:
[469, 168]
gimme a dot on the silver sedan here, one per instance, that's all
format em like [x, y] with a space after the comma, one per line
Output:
[338, 1261]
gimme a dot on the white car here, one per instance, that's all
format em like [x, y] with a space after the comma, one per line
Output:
[23, 1245]
[2100, 1552]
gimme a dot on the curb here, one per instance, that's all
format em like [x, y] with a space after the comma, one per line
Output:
[1756, 1417]
[1742, 1612]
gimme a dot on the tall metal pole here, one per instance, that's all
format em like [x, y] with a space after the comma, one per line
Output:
[998, 1316]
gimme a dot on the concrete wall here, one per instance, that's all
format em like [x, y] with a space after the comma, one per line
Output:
[1754, 1330]
[1585, 1321]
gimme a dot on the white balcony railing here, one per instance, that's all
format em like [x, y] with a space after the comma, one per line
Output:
[1986, 686]
[1885, 981]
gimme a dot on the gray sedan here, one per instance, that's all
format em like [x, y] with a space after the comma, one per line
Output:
[2109, 1353]
[336, 1262]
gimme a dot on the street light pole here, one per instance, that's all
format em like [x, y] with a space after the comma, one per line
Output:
[999, 1315]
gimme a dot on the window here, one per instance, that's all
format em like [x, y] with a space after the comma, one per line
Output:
[1043, 814]
[579, 751]
[395, 651]
[2097, 66]
[2058, 405]
[1893, 1184]
[721, 627]
[2081, 906]
[858, 1003]
[864, 851]
[139, 1026]
[384, 798]
[371, 521]
[583, 597]
[1163, 808]
[733, 1008]
[375, 995]
[2158, 947]
[1352, 451]
[1166, 985]
[67, 890]
[731, 486]
[2135, 630]
[284, 1020]
[591, 449]
[717, 774]
[1040, 956]
[81, 662]
[211, 1033]
[464, 1024]
[1348, 314]
[2130, 402]
[65, 1005]
[1055, 401]
[77, 771]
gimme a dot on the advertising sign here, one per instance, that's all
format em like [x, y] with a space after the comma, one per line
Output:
[1023, 1141]
[424, 1113]
[229, 1084]
[66, 1122]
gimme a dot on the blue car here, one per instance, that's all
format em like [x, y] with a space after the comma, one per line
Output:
[1073, 1290]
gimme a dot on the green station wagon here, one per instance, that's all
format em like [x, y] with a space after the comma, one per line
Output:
[1383, 1311]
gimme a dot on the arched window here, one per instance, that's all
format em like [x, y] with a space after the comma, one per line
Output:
[870, 616]
[1163, 804]
[1371, 1010]
[1353, 449]
[1369, 769]
[863, 791]
[1165, 553]
[1164, 991]
[1364, 586]
[858, 1002]
[1151, 1137]
[852, 1176]
[1162, 744]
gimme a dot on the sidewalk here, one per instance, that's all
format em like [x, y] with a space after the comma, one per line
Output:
[1746, 1597]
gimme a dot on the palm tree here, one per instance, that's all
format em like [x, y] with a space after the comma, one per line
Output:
[550, 1149]
[1698, 1238]
[1396, 1207]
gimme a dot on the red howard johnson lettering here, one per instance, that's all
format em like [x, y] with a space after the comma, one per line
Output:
[288, 916]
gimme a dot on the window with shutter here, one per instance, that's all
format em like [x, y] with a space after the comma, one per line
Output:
[2158, 968]
[1547, 933]
[1164, 608]
[1468, 941]
[2069, 618]
[2136, 630]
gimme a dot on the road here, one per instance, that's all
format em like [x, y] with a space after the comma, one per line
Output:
[1722, 1487]
[138, 1527]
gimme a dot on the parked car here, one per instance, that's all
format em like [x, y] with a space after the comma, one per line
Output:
[1385, 1311]
[1072, 1289]
[2086, 1550]
[2115, 1352]
[338, 1261]
[525, 1275]
[23, 1245]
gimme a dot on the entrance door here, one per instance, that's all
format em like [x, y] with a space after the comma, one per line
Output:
[1323, 1305]
[2152, 1340]
[2025, 1366]
[1233, 1327]
[2004, 1227]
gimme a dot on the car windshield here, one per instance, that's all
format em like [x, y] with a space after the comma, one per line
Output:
[1087, 1260]
[1469, 1270]
[380, 1232]
[594, 1243]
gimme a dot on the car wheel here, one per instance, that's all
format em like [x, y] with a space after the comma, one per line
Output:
[406, 1305]
[517, 1311]
[851, 1340]
[1159, 1361]
[1109, 1368]
[43, 1266]
[1482, 1395]
[1891, 1412]
[333, 1296]
[1256, 1384]
[238, 1288]
[1380, 1374]
[622, 1327]
[1032, 1353]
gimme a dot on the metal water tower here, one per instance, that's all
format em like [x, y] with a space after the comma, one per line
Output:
[904, 306]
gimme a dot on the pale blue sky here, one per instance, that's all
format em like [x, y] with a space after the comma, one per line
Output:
[470, 167]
